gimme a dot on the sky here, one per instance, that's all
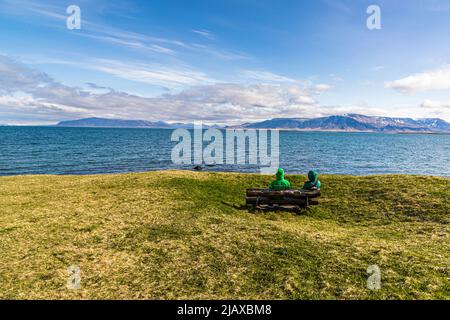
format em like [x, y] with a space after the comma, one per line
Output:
[222, 61]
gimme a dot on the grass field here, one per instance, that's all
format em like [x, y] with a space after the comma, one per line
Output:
[186, 235]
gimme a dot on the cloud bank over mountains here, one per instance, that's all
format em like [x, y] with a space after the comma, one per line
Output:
[25, 90]
[36, 98]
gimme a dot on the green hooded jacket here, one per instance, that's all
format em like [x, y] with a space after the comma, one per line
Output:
[313, 181]
[280, 183]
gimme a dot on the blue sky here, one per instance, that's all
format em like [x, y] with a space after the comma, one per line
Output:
[223, 61]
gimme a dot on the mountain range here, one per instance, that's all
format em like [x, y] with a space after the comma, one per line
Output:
[354, 122]
[113, 123]
[347, 122]
[120, 123]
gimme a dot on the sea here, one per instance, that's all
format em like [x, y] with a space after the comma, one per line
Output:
[28, 150]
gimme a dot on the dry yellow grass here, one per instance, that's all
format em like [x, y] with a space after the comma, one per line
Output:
[184, 235]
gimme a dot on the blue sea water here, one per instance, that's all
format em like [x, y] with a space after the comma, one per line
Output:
[58, 150]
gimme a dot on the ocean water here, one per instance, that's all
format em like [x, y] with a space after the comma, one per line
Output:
[57, 150]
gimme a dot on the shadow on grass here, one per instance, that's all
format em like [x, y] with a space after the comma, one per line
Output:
[251, 209]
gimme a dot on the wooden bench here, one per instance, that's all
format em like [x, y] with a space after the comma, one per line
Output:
[286, 199]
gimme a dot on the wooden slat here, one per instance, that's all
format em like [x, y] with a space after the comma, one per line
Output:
[265, 200]
[294, 193]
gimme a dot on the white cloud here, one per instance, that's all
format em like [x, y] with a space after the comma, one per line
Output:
[435, 104]
[132, 43]
[270, 77]
[26, 92]
[322, 87]
[335, 77]
[156, 45]
[219, 53]
[265, 76]
[153, 74]
[376, 68]
[238, 102]
[204, 33]
[438, 79]
[30, 96]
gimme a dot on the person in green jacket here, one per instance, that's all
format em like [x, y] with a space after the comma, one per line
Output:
[313, 181]
[280, 183]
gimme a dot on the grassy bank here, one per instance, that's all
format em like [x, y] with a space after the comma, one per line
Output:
[169, 235]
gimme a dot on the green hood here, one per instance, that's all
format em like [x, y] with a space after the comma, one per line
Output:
[313, 176]
[280, 183]
[313, 181]
[280, 174]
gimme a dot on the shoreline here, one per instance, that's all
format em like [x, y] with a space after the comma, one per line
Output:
[175, 171]
[225, 128]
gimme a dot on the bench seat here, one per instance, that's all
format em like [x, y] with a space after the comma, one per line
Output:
[261, 198]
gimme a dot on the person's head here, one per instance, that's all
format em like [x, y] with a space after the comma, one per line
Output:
[280, 174]
[312, 176]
